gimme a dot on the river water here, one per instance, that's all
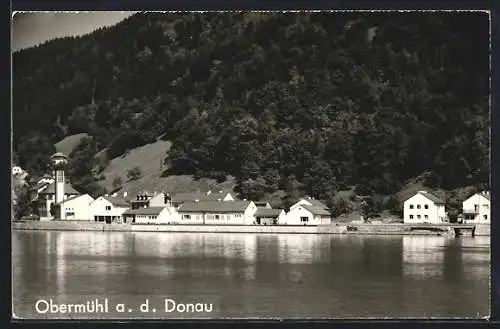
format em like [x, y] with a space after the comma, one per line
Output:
[250, 275]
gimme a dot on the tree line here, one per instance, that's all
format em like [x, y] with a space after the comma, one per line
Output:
[305, 103]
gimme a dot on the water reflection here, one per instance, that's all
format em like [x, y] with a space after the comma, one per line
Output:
[259, 275]
[423, 256]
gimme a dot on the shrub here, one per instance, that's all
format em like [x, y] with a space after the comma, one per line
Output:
[134, 174]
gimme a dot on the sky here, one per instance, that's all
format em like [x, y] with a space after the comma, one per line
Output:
[32, 28]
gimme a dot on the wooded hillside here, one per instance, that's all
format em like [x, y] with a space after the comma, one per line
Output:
[303, 102]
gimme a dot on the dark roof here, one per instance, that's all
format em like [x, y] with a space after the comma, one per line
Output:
[38, 186]
[431, 197]
[268, 212]
[317, 210]
[68, 189]
[144, 211]
[116, 201]
[316, 203]
[70, 198]
[215, 206]
[58, 154]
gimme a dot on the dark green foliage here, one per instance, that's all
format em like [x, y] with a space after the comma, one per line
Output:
[370, 208]
[331, 99]
[24, 206]
[340, 207]
[394, 206]
[82, 168]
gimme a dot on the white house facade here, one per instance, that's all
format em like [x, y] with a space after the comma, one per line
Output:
[477, 208]
[217, 213]
[307, 215]
[46, 198]
[424, 207]
[75, 208]
[108, 209]
[148, 215]
[308, 211]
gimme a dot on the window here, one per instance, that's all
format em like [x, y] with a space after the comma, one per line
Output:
[485, 206]
[476, 208]
[418, 206]
[485, 217]
[426, 216]
[426, 206]
[418, 216]
[108, 207]
[186, 216]
[217, 217]
[411, 216]
[411, 206]
[304, 219]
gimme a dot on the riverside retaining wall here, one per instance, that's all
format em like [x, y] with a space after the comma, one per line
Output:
[340, 228]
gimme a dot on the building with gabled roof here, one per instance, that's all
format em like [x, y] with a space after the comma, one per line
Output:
[148, 215]
[237, 212]
[75, 207]
[476, 209]
[147, 199]
[45, 197]
[424, 207]
[308, 211]
[108, 209]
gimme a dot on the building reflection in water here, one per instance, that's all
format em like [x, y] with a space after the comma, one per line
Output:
[303, 248]
[423, 256]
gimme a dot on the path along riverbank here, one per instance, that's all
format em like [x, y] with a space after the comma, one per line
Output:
[334, 228]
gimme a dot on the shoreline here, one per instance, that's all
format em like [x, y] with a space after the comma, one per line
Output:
[337, 228]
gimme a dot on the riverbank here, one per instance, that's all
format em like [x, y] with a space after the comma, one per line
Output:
[344, 228]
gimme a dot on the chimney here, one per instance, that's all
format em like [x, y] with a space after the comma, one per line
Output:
[124, 194]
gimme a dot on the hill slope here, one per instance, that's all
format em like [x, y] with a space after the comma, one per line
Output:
[305, 103]
[149, 158]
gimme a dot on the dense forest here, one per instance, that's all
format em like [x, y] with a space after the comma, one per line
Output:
[313, 102]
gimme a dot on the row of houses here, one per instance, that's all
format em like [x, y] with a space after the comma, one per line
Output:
[180, 208]
[225, 208]
[56, 198]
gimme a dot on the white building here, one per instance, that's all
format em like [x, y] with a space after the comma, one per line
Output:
[46, 198]
[148, 215]
[76, 207]
[424, 207]
[476, 208]
[308, 211]
[145, 200]
[269, 216]
[16, 170]
[108, 209]
[217, 212]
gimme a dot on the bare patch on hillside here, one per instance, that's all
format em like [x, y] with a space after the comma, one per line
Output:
[149, 158]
